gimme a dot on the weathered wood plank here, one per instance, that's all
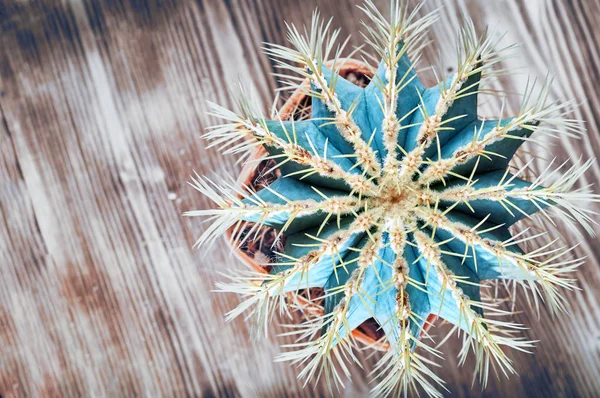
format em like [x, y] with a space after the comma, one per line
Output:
[102, 105]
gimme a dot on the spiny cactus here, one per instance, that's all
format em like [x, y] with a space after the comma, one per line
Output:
[397, 200]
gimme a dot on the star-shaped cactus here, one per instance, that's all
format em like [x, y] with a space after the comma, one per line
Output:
[397, 200]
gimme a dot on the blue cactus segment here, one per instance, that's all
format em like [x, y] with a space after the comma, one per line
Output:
[377, 296]
[352, 98]
[428, 102]
[357, 311]
[387, 309]
[463, 109]
[407, 103]
[459, 114]
[334, 288]
[481, 261]
[364, 303]
[346, 93]
[505, 212]
[283, 191]
[302, 246]
[442, 299]
[307, 135]
[373, 282]
[501, 150]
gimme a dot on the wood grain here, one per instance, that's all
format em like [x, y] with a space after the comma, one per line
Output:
[102, 105]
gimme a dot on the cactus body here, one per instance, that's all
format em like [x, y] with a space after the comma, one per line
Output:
[397, 200]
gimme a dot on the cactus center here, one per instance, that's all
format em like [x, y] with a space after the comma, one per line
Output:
[400, 202]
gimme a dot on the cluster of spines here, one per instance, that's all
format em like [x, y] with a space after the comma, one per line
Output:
[546, 269]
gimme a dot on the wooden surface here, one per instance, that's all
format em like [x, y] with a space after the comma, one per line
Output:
[102, 107]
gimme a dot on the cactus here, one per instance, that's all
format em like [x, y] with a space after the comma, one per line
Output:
[399, 202]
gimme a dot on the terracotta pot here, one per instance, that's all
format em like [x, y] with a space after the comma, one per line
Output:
[256, 253]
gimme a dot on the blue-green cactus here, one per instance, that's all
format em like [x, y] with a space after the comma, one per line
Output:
[397, 200]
